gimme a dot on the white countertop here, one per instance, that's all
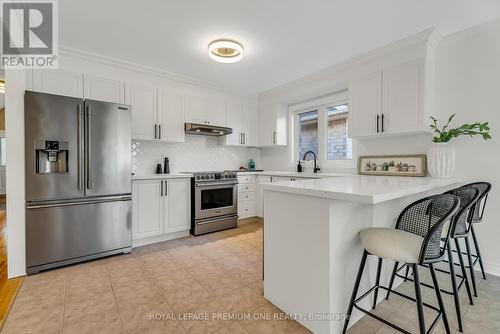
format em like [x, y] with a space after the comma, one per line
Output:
[359, 188]
[161, 176]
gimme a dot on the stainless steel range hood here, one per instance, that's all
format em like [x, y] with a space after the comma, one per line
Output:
[206, 130]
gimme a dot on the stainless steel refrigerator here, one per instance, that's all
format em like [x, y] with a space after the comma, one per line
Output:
[78, 180]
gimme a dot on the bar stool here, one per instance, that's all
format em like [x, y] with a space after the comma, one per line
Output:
[415, 240]
[484, 188]
[460, 226]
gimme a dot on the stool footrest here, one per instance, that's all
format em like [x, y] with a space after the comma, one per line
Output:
[376, 287]
[459, 286]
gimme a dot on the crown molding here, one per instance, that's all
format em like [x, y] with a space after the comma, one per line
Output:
[132, 66]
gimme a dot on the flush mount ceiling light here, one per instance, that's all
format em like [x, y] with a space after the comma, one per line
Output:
[225, 51]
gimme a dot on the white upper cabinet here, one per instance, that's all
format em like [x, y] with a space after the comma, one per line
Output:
[177, 205]
[157, 114]
[389, 101]
[196, 109]
[234, 120]
[244, 120]
[216, 112]
[273, 125]
[104, 89]
[251, 126]
[365, 104]
[402, 97]
[171, 116]
[59, 82]
[202, 110]
[144, 102]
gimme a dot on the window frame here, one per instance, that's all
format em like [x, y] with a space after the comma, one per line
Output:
[320, 105]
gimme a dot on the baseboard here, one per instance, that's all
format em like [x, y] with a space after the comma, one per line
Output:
[159, 238]
[491, 268]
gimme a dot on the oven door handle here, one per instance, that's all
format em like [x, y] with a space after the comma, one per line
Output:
[216, 184]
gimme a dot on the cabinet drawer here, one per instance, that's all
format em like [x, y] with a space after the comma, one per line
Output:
[246, 187]
[246, 178]
[246, 196]
[246, 210]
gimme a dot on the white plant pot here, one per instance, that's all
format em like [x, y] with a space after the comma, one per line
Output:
[441, 160]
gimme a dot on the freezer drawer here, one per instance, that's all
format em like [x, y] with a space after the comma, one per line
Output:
[58, 235]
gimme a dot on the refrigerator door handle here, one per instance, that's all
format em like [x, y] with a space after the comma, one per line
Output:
[88, 115]
[80, 147]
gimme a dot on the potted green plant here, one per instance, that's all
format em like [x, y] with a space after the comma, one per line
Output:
[441, 156]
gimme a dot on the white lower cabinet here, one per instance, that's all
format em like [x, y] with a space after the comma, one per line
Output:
[176, 205]
[160, 207]
[147, 209]
[246, 196]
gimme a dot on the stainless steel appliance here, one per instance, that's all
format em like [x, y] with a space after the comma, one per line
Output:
[214, 201]
[206, 129]
[78, 180]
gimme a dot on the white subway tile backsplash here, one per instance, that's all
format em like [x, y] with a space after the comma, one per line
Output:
[197, 153]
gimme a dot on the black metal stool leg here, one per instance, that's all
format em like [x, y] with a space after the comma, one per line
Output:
[478, 251]
[377, 283]
[406, 272]
[471, 266]
[355, 290]
[464, 273]
[391, 282]
[439, 298]
[418, 296]
[456, 296]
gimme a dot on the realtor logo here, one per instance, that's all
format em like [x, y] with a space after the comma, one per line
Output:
[29, 34]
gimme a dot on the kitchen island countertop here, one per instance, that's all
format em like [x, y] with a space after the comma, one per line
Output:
[360, 188]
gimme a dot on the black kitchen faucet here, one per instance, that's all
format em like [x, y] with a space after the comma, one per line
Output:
[316, 168]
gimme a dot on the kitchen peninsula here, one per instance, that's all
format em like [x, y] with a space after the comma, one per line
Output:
[311, 245]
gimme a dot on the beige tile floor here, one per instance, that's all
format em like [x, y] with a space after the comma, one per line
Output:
[157, 288]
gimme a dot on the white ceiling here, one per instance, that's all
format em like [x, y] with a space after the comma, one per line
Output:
[283, 39]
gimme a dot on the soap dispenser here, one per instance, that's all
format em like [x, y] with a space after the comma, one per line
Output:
[251, 165]
[299, 168]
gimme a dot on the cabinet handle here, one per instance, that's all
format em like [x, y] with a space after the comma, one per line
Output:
[383, 123]
[241, 138]
[166, 189]
[378, 118]
[244, 139]
[156, 126]
[161, 187]
[159, 131]
[274, 137]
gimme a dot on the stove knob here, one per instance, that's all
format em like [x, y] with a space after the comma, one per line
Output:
[203, 177]
[198, 177]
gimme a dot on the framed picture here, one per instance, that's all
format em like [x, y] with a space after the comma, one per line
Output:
[393, 165]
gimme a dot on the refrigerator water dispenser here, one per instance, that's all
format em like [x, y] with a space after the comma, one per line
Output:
[51, 156]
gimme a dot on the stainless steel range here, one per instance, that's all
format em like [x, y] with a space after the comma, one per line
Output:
[214, 199]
